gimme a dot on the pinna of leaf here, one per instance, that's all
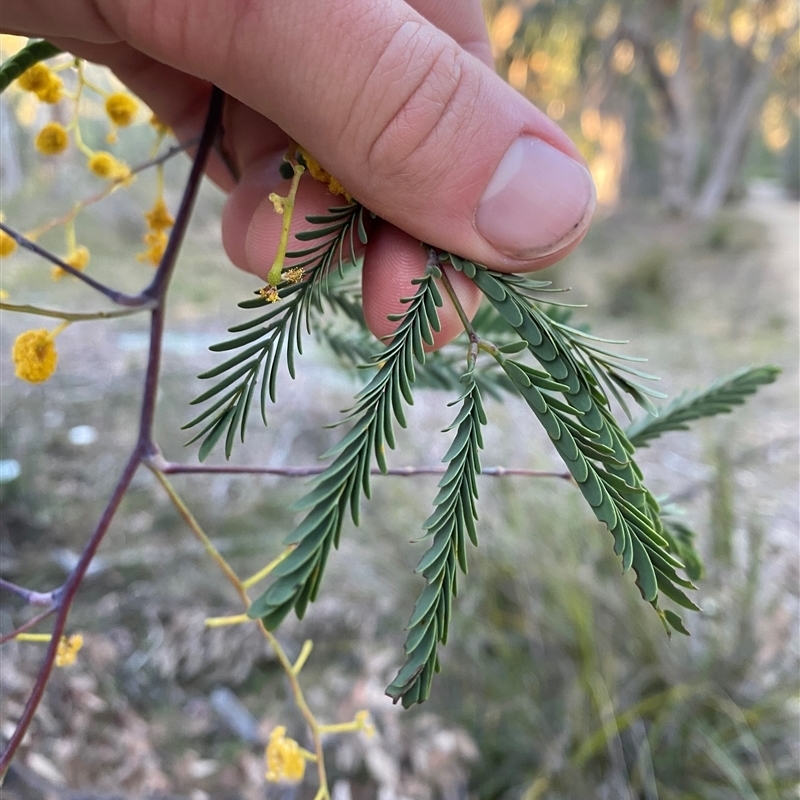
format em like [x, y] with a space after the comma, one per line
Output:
[564, 374]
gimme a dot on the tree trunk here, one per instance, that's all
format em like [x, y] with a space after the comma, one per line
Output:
[733, 141]
[676, 103]
[678, 158]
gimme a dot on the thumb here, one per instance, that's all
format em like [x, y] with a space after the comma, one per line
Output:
[419, 131]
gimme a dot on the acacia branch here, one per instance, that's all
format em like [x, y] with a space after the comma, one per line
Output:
[120, 298]
[101, 195]
[28, 595]
[144, 447]
[70, 316]
[173, 468]
[141, 300]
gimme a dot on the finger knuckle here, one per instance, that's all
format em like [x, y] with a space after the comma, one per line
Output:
[427, 102]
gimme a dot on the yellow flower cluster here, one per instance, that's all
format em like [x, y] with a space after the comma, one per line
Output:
[34, 355]
[121, 109]
[156, 242]
[322, 175]
[270, 294]
[285, 761]
[78, 258]
[104, 165]
[43, 82]
[7, 245]
[158, 217]
[68, 648]
[52, 139]
[293, 275]
[159, 220]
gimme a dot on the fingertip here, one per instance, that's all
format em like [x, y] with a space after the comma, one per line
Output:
[258, 180]
[392, 261]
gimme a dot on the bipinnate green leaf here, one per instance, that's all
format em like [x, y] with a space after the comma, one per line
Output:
[719, 398]
[278, 331]
[339, 488]
[449, 526]
[568, 397]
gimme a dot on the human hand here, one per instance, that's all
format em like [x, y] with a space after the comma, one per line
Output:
[398, 100]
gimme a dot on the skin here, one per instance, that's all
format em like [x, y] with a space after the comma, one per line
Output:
[399, 100]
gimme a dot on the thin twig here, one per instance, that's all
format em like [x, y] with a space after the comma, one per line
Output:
[28, 595]
[172, 468]
[141, 300]
[235, 581]
[71, 316]
[112, 187]
[466, 322]
[158, 287]
[27, 625]
[70, 590]
[120, 298]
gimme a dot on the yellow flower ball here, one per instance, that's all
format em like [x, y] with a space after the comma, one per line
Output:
[104, 165]
[318, 173]
[7, 244]
[270, 294]
[34, 355]
[36, 78]
[159, 218]
[121, 109]
[68, 648]
[53, 92]
[52, 139]
[293, 275]
[285, 761]
[78, 258]
[156, 242]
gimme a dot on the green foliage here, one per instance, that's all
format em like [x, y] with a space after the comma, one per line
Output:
[344, 331]
[681, 540]
[569, 390]
[340, 486]
[35, 51]
[265, 339]
[454, 516]
[585, 434]
[719, 398]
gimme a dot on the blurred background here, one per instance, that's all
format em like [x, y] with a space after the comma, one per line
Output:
[558, 682]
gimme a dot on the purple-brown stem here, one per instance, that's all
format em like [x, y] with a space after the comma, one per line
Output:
[172, 468]
[28, 595]
[144, 447]
[120, 298]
